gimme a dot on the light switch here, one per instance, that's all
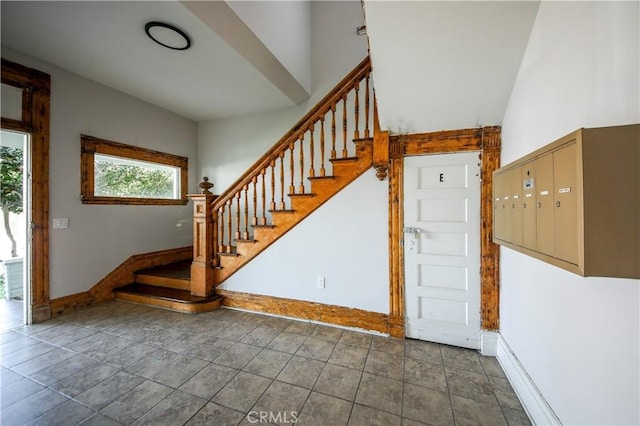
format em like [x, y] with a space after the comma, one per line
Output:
[60, 222]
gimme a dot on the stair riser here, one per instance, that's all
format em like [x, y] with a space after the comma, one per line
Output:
[177, 283]
[167, 304]
[345, 173]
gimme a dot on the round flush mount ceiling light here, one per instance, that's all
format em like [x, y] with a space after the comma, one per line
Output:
[167, 35]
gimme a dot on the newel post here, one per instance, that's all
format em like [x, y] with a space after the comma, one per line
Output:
[204, 247]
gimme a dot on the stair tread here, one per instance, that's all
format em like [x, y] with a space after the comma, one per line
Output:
[343, 159]
[171, 294]
[232, 254]
[321, 178]
[178, 270]
[281, 211]
[264, 226]
[242, 240]
[305, 194]
[363, 140]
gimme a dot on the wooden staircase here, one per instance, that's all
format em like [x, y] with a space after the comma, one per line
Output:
[301, 205]
[311, 163]
[169, 287]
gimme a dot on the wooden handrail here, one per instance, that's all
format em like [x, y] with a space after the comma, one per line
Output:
[311, 117]
[229, 217]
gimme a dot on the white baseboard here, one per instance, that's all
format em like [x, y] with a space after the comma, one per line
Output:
[489, 343]
[537, 408]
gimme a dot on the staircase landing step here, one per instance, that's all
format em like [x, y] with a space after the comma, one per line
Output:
[179, 270]
[176, 275]
[168, 298]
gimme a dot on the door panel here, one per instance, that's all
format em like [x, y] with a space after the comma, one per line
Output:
[528, 179]
[515, 206]
[442, 260]
[566, 207]
[499, 206]
[544, 205]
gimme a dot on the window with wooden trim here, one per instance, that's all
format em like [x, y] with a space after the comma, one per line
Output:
[115, 173]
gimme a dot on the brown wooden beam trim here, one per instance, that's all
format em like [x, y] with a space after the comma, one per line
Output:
[91, 145]
[36, 107]
[486, 140]
[124, 273]
[396, 255]
[330, 314]
[16, 125]
[69, 303]
[490, 252]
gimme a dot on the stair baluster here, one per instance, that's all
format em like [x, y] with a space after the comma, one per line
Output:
[292, 186]
[263, 219]
[356, 132]
[345, 153]
[281, 206]
[272, 205]
[333, 130]
[366, 107]
[254, 218]
[220, 224]
[301, 189]
[229, 247]
[245, 233]
[232, 220]
[322, 169]
[312, 172]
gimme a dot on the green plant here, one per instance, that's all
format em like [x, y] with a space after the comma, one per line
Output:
[11, 172]
[121, 180]
[2, 286]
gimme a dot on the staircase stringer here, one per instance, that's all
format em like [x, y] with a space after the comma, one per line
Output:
[306, 167]
[301, 208]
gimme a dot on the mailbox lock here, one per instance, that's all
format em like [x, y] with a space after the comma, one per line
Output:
[557, 203]
[539, 204]
[524, 205]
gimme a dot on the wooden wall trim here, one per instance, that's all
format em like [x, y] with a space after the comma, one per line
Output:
[396, 255]
[330, 314]
[65, 304]
[125, 272]
[122, 275]
[36, 107]
[489, 252]
[484, 139]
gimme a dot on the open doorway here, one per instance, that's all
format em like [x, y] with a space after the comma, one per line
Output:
[14, 235]
[25, 95]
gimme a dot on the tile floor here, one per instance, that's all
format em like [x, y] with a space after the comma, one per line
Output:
[120, 363]
[10, 314]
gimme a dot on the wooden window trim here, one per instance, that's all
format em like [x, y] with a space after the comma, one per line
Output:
[35, 121]
[91, 145]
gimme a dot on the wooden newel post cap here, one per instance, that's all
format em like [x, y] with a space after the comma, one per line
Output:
[205, 185]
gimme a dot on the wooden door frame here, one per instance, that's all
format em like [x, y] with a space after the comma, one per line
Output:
[486, 140]
[36, 95]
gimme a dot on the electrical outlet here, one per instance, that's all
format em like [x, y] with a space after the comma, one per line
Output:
[320, 282]
[60, 222]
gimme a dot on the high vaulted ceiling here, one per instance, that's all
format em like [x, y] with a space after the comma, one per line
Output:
[227, 72]
[441, 65]
[437, 64]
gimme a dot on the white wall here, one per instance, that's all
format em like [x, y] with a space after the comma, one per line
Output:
[577, 337]
[99, 237]
[346, 239]
[285, 28]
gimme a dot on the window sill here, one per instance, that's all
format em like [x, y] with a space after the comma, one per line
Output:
[134, 201]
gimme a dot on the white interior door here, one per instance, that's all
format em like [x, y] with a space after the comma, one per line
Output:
[442, 248]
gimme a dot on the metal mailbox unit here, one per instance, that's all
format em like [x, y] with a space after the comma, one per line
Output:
[575, 203]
